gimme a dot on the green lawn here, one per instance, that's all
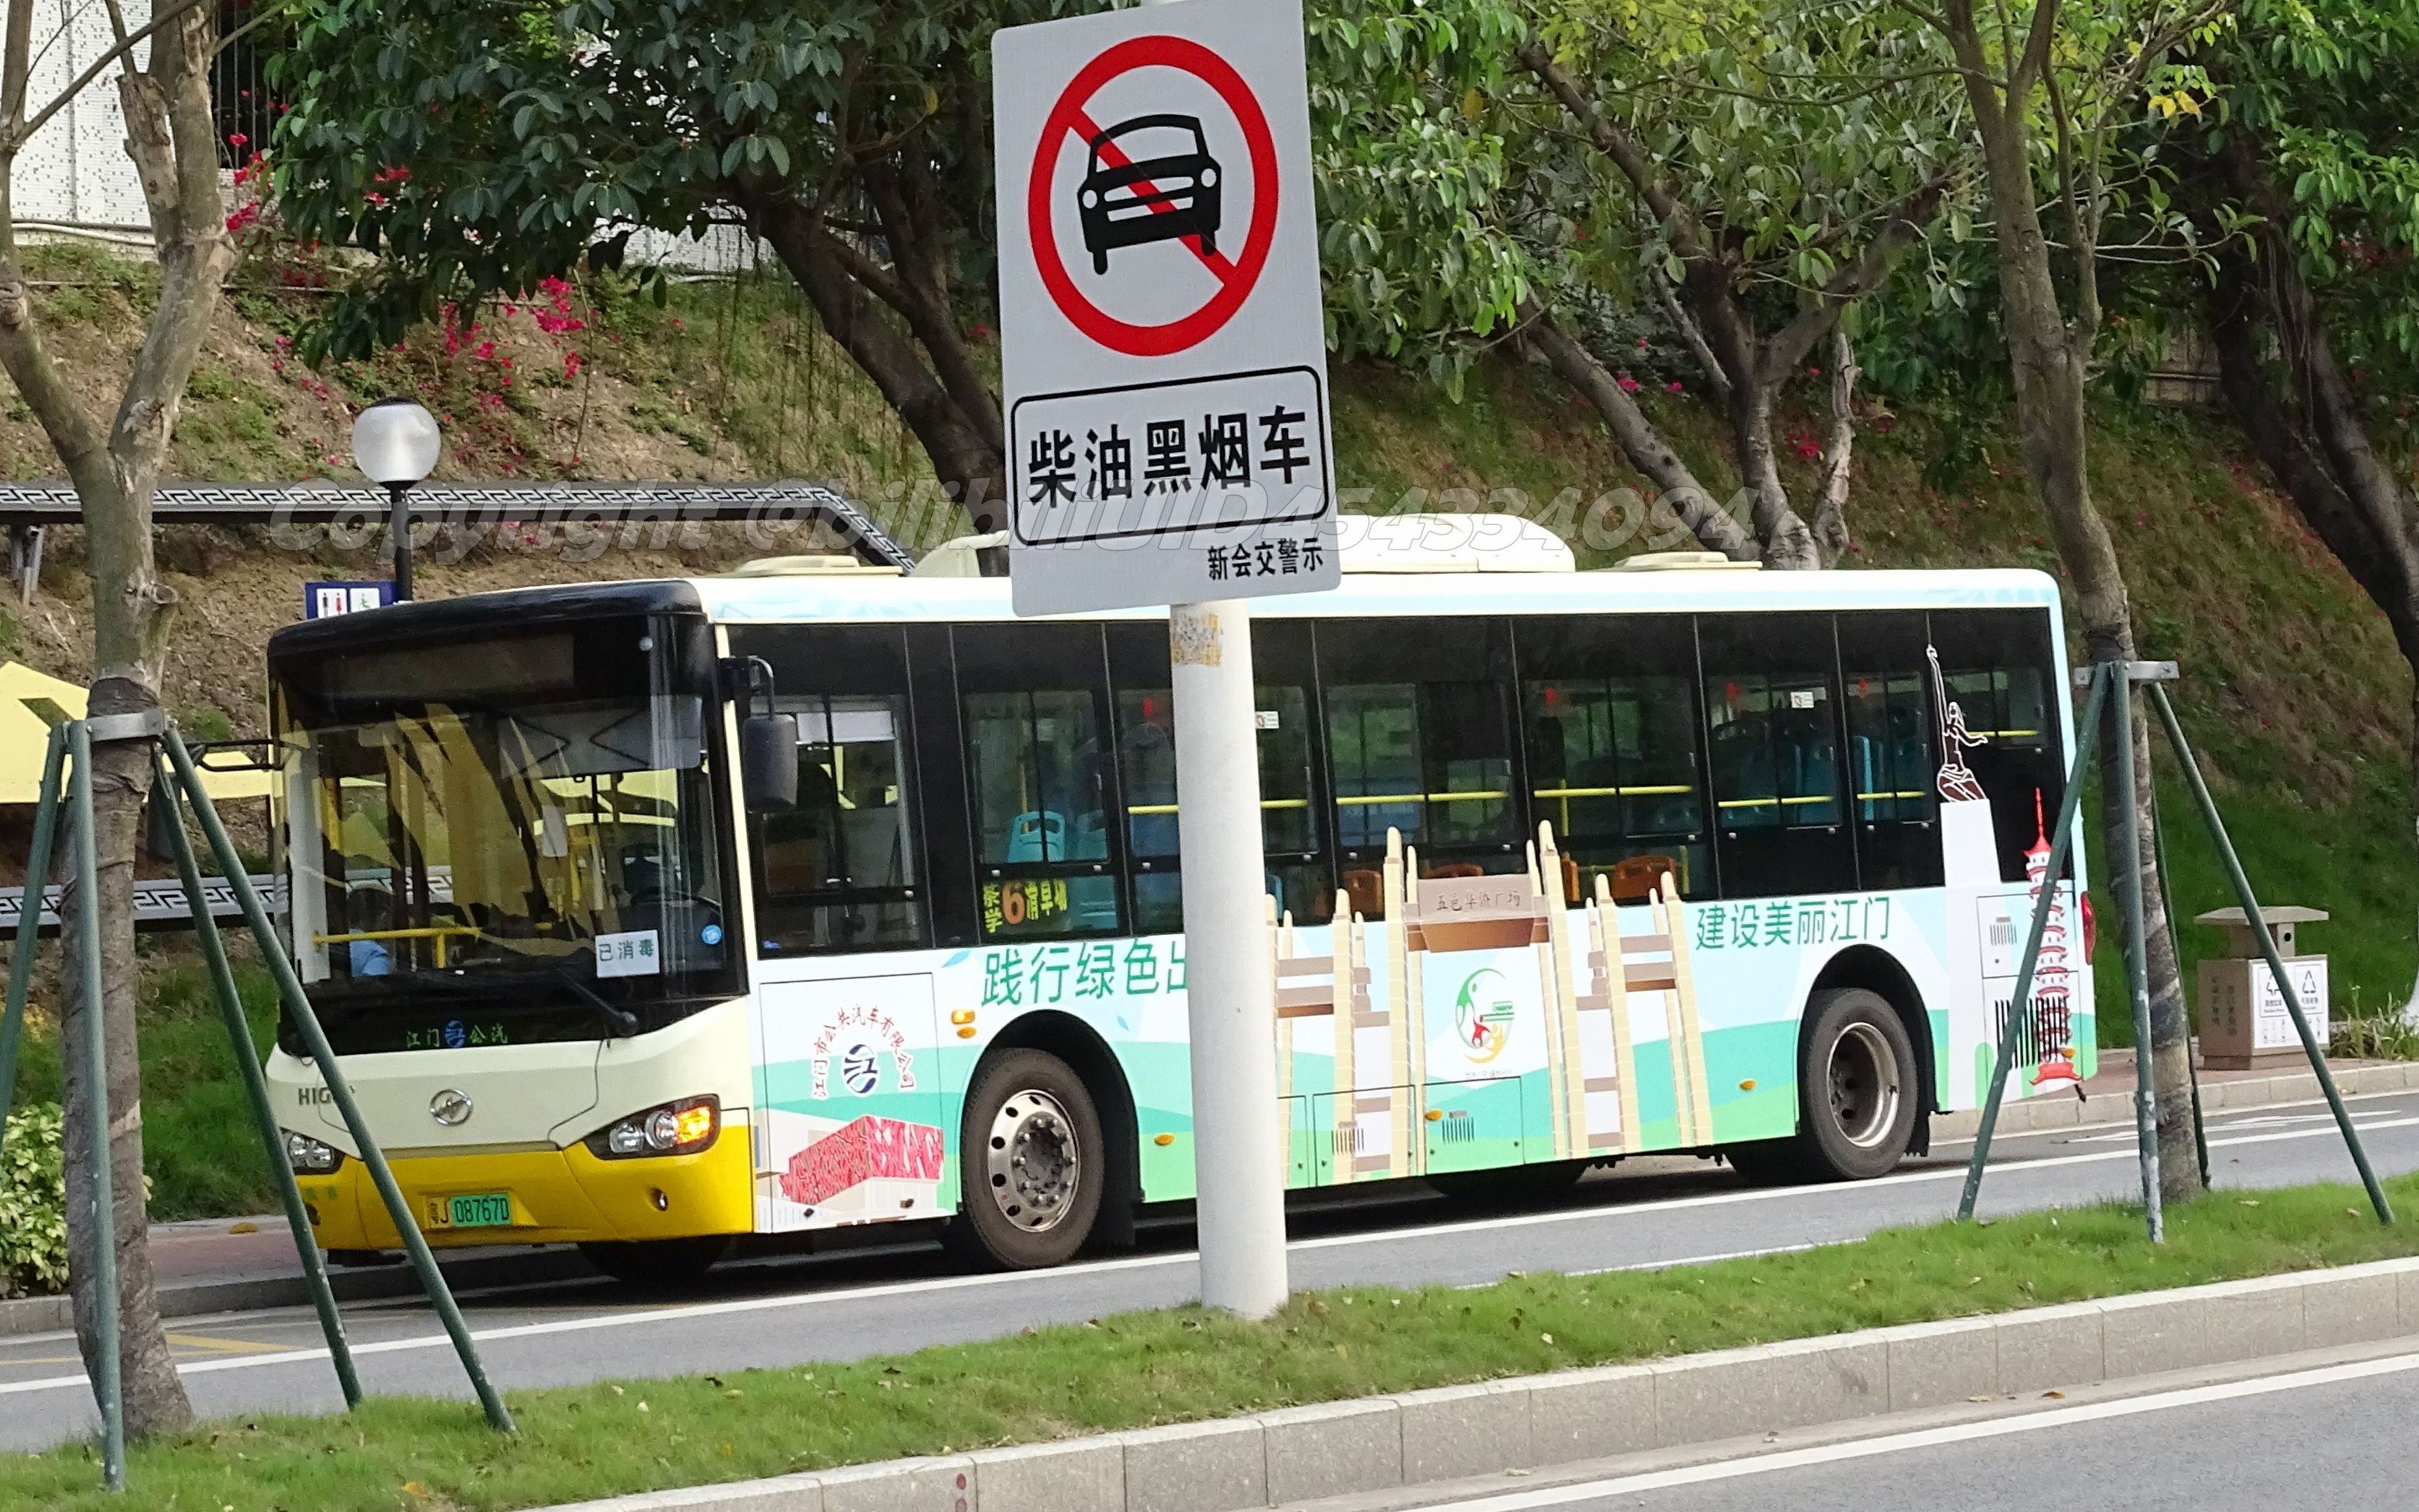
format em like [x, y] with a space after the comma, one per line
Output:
[1143, 1368]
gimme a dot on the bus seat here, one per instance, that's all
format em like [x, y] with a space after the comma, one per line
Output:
[1036, 835]
[1367, 891]
[1091, 837]
[1636, 878]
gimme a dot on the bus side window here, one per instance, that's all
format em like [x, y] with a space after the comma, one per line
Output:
[841, 871]
[1040, 780]
[1772, 709]
[1612, 738]
[1296, 871]
[1995, 666]
[1419, 740]
[1893, 750]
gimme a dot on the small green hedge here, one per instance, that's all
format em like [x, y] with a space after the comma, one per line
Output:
[33, 1204]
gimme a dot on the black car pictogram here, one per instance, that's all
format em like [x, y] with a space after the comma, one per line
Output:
[1154, 199]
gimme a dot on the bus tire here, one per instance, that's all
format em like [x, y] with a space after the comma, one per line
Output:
[1858, 1087]
[657, 1263]
[1032, 1164]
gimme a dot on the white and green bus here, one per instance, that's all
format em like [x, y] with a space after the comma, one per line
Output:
[1562, 867]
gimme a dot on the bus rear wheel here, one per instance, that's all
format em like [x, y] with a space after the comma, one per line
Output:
[656, 1262]
[1032, 1165]
[1856, 1086]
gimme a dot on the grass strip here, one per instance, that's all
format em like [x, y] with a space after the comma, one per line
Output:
[1137, 1370]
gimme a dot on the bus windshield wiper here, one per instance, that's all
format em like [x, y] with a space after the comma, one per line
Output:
[620, 1020]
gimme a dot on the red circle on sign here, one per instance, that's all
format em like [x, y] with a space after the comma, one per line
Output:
[1236, 279]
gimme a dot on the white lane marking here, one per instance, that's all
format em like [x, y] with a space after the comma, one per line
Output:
[818, 1299]
[1829, 1453]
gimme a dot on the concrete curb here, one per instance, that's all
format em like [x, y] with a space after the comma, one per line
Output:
[2034, 1113]
[1336, 1448]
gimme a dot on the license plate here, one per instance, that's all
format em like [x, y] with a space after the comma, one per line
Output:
[487, 1209]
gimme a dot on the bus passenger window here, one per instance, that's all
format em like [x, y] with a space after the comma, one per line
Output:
[1995, 669]
[1041, 801]
[1295, 868]
[1612, 766]
[1419, 736]
[1893, 749]
[1772, 712]
[838, 871]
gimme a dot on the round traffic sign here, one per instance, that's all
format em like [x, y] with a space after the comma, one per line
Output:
[1235, 276]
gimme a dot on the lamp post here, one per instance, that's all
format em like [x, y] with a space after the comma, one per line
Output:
[394, 444]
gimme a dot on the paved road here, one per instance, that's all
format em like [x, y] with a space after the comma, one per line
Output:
[2319, 1431]
[845, 1305]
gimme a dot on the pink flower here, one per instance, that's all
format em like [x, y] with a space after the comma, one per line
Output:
[1673, 385]
[1629, 384]
[237, 139]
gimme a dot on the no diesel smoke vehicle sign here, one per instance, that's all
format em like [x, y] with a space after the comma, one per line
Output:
[1164, 356]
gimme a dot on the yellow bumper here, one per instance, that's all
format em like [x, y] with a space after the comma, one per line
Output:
[558, 1196]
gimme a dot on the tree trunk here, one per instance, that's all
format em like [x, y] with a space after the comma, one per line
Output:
[1788, 544]
[963, 447]
[1637, 436]
[1831, 537]
[155, 1396]
[2051, 367]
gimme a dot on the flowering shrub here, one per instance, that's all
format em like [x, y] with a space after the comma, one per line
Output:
[33, 1204]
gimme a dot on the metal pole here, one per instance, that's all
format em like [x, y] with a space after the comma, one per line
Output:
[2067, 808]
[29, 916]
[2167, 907]
[2137, 962]
[1230, 990]
[298, 1216]
[2267, 947]
[106, 1384]
[272, 950]
[399, 531]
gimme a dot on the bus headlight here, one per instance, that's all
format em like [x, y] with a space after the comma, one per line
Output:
[309, 1157]
[680, 1128]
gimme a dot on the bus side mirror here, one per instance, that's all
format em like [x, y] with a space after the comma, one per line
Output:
[768, 761]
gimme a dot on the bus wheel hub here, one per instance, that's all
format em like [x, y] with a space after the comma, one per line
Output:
[1035, 1162]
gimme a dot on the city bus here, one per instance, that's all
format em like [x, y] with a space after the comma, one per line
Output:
[648, 915]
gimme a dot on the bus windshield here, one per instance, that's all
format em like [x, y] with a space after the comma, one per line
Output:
[509, 838]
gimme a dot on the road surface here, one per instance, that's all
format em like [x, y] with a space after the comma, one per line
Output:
[849, 1303]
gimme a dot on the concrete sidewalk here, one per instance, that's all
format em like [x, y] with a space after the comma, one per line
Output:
[2107, 1097]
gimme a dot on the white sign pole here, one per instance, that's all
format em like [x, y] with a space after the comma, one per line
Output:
[1231, 989]
[1229, 974]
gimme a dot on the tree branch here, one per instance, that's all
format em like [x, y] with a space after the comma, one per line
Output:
[1716, 379]
[16, 137]
[1639, 441]
[1627, 154]
[1830, 522]
[1852, 281]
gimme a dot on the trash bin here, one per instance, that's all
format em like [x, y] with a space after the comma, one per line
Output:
[2244, 1020]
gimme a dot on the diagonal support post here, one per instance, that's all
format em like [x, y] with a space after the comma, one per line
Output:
[2085, 733]
[93, 1050]
[29, 916]
[247, 1057]
[2310, 1045]
[289, 986]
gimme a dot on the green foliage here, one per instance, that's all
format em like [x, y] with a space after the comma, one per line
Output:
[33, 1204]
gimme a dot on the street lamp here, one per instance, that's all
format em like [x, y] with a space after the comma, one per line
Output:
[394, 444]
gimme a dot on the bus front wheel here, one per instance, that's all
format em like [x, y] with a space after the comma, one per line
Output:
[1032, 1165]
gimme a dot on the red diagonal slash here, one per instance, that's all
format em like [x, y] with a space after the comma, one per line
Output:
[1144, 189]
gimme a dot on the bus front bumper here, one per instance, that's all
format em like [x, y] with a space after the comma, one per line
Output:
[554, 1197]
